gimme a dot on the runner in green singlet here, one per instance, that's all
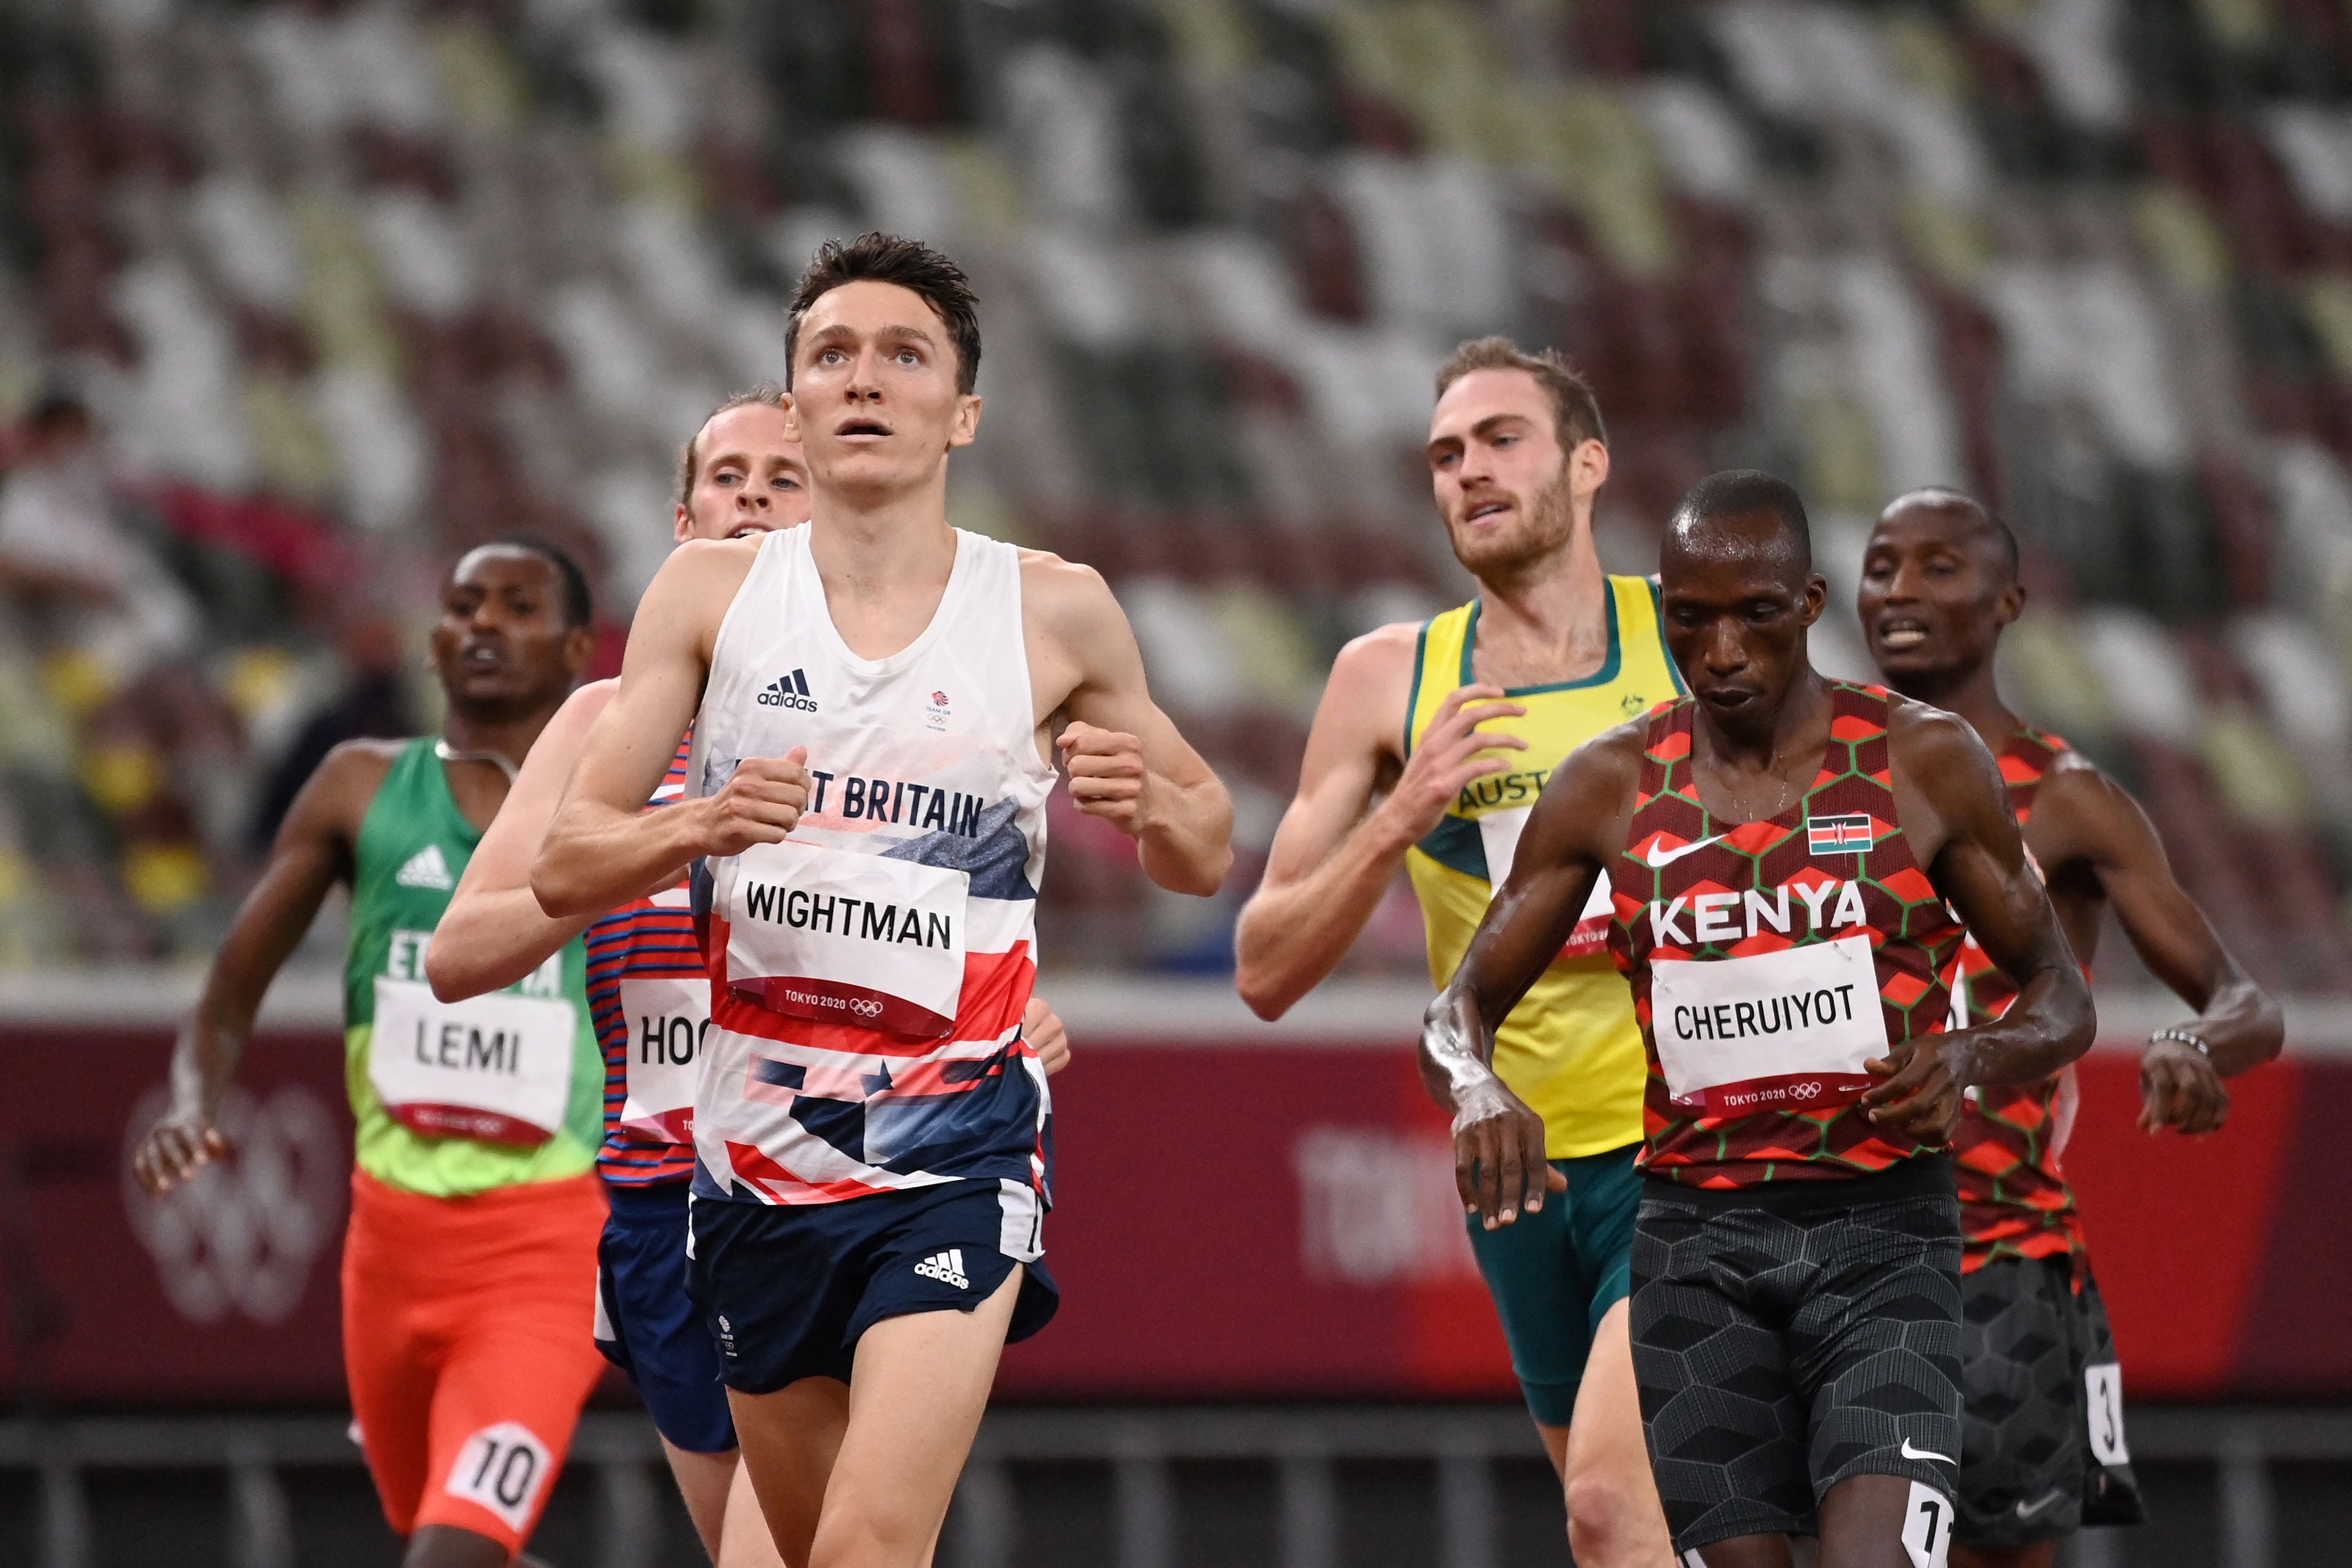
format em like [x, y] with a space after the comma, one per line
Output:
[469, 1267]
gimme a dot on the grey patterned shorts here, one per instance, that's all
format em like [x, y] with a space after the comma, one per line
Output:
[2041, 1423]
[1786, 1338]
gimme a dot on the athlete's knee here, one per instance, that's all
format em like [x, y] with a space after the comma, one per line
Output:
[858, 1537]
[448, 1546]
[1609, 1516]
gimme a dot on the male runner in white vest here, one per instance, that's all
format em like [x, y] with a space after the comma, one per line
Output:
[740, 476]
[873, 699]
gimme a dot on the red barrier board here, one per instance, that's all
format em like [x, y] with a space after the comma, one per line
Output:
[1231, 1221]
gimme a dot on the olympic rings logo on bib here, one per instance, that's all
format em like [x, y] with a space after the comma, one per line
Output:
[865, 1008]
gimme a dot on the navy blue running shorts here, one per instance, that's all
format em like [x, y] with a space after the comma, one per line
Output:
[787, 1290]
[646, 1324]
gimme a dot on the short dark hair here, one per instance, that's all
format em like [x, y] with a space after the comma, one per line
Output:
[579, 603]
[2004, 537]
[689, 457]
[1734, 492]
[1575, 411]
[910, 263]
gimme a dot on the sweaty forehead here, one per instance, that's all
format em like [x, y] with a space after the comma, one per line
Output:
[1724, 554]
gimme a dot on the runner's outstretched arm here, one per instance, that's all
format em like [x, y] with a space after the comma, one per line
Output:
[2238, 1022]
[1575, 827]
[494, 932]
[1333, 860]
[603, 850]
[1956, 813]
[1127, 764]
[310, 855]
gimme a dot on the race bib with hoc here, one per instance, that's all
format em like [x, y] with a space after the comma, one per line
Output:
[1773, 1031]
[843, 938]
[668, 1018]
[496, 1068]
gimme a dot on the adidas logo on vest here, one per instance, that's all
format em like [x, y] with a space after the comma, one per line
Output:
[789, 691]
[947, 1268]
[426, 868]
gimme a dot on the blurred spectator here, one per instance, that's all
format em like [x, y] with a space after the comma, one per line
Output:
[84, 582]
[355, 286]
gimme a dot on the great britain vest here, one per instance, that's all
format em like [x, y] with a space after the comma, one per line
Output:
[869, 974]
[2005, 1151]
[1771, 960]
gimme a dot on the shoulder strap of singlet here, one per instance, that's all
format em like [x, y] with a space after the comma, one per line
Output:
[1642, 632]
[1436, 658]
[1668, 741]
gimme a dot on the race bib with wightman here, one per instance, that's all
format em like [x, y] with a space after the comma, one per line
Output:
[496, 1068]
[843, 938]
[1773, 1031]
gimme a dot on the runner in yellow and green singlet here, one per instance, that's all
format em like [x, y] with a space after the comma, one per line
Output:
[469, 1267]
[1493, 695]
[1571, 1049]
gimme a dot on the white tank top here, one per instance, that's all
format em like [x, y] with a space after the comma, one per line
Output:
[869, 974]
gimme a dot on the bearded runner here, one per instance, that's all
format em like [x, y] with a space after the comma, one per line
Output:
[1495, 693]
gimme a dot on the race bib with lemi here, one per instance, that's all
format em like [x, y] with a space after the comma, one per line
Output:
[1773, 1031]
[843, 938]
[666, 1019]
[496, 1068]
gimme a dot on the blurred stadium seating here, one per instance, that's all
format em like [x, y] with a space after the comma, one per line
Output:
[351, 286]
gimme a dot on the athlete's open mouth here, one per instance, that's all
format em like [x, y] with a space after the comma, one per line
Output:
[1901, 634]
[482, 655]
[1486, 509]
[850, 429]
[746, 529]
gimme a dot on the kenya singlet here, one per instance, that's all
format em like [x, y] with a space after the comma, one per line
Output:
[2005, 1151]
[1570, 1050]
[454, 1098]
[1771, 960]
[650, 996]
[869, 974]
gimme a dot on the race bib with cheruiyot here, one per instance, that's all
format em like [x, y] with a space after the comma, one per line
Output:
[495, 1068]
[666, 1019]
[1773, 1031]
[843, 938]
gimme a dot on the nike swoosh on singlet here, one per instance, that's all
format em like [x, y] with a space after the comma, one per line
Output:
[2027, 1510]
[1671, 855]
[1911, 1453]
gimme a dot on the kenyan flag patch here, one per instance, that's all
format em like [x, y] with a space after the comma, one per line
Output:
[1830, 835]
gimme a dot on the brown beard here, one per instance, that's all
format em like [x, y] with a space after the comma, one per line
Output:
[1546, 526]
